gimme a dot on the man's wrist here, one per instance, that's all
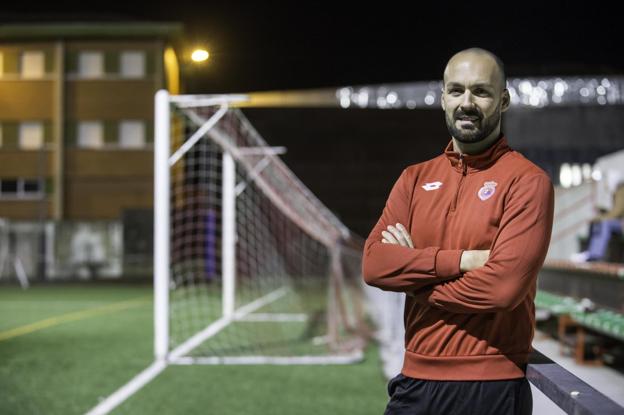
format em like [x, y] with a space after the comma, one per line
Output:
[465, 263]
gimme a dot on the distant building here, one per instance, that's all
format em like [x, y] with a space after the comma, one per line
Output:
[76, 117]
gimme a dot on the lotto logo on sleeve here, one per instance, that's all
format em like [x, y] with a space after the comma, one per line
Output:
[488, 189]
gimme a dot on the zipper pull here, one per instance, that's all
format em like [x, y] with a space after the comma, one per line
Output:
[462, 164]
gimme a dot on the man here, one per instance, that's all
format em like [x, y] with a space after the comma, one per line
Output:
[464, 235]
[602, 227]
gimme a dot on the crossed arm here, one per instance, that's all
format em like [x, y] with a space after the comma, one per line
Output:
[463, 281]
[470, 259]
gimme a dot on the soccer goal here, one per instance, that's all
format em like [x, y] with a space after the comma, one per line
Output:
[250, 267]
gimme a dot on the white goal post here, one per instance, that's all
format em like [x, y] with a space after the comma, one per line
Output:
[249, 266]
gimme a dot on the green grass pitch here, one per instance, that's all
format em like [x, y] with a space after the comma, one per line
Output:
[65, 347]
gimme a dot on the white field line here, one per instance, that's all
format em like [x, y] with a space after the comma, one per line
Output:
[272, 317]
[128, 389]
[199, 338]
[260, 302]
[220, 324]
[276, 360]
[143, 378]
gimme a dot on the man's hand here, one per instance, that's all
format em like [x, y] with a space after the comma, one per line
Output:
[473, 259]
[397, 235]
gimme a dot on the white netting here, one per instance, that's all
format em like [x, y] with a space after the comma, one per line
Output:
[297, 267]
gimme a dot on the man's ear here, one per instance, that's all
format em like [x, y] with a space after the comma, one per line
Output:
[442, 101]
[505, 100]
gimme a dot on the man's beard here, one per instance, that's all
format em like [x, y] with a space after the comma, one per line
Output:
[479, 131]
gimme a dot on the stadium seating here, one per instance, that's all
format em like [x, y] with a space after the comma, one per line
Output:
[572, 313]
[615, 248]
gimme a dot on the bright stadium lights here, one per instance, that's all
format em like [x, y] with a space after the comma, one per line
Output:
[565, 175]
[344, 95]
[515, 98]
[526, 87]
[535, 93]
[199, 55]
[596, 175]
[391, 98]
[362, 98]
[559, 88]
[577, 176]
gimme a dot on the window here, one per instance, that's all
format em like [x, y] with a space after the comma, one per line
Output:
[131, 134]
[8, 187]
[132, 64]
[20, 188]
[90, 134]
[31, 186]
[31, 135]
[32, 65]
[91, 65]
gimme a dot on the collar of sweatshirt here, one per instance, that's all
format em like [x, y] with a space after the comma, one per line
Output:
[475, 162]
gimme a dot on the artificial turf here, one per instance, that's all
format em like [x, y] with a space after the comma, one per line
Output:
[97, 337]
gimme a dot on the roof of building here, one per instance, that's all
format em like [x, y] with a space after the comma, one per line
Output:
[82, 30]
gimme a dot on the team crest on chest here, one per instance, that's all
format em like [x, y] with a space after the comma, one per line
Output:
[488, 189]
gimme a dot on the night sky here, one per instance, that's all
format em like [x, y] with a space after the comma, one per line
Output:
[265, 45]
[273, 45]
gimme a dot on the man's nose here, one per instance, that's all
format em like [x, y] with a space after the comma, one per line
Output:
[467, 101]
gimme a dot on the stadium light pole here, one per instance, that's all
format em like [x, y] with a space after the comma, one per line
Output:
[193, 64]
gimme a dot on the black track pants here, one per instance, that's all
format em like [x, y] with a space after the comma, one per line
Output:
[409, 396]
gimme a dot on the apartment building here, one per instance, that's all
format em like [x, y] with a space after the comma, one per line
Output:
[76, 136]
[76, 117]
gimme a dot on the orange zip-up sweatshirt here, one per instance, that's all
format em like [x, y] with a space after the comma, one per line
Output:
[476, 325]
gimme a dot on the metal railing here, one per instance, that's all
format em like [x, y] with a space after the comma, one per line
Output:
[566, 390]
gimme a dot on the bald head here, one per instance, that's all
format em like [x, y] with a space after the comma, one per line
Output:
[477, 59]
[474, 97]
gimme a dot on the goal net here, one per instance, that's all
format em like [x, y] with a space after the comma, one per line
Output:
[250, 267]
